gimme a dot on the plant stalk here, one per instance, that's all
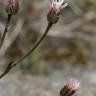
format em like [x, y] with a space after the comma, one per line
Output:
[13, 64]
[5, 30]
[34, 47]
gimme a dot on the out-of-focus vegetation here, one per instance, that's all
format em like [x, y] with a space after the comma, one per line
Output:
[71, 40]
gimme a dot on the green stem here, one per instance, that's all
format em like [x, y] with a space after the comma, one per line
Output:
[6, 29]
[13, 64]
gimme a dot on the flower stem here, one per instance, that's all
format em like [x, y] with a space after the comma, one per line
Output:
[34, 47]
[13, 64]
[8, 68]
[6, 29]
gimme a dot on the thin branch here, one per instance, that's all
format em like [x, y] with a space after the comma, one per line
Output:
[10, 39]
[6, 29]
[13, 64]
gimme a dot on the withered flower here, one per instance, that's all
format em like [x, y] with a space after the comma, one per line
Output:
[11, 6]
[70, 88]
[55, 8]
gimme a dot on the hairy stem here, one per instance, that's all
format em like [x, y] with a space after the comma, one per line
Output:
[13, 64]
[6, 29]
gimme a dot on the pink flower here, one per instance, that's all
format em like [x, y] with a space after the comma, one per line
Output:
[11, 6]
[55, 8]
[70, 88]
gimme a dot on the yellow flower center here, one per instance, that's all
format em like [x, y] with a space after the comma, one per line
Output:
[72, 85]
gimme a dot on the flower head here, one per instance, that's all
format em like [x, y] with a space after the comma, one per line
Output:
[70, 88]
[55, 8]
[11, 6]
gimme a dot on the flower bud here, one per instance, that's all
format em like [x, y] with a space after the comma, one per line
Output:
[70, 88]
[11, 6]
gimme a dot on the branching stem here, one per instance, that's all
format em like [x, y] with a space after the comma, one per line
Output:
[13, 64]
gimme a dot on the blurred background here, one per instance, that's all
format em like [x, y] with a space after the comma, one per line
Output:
[68, 51]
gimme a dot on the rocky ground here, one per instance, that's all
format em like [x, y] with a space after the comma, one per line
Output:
[17, 84]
